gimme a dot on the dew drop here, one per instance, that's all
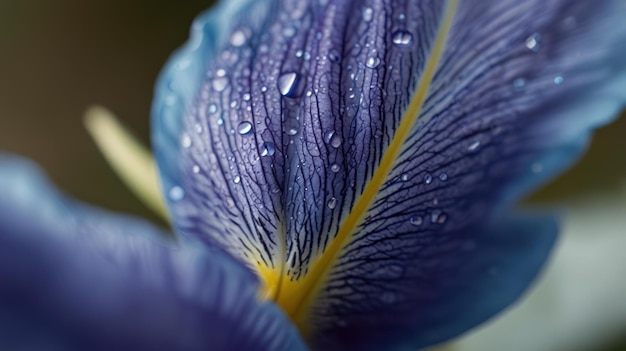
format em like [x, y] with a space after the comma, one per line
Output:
[473, 146]
[185, 141]
[558, 80]
[532, 42]
[212, 108]
[287, 83]
[198, 128]
[289, 32]
[333, 55]
[438, 217]
[237, 180]
[537, 167]
[335, 141]
[268, 149]
[335, 167]
[519, 83]
[332, 203]
[244, 128]
[402, 38]
[246, 97]
[368, 13]
[195, 169]
[372, 62]
[416, 220]
[219, 84]
[428, 178]
[220, 121]
[176, 193]
[443, 177]
[238, 38]
[404, 177]
[291, 127]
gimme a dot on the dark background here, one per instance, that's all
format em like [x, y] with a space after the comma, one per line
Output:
[59, 57]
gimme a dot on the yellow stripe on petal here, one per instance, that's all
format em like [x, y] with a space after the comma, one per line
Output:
[131, 160]
[296, 297]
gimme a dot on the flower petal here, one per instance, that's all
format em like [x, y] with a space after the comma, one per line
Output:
[329, 135]
[77, 278]
[179, 83]
[482, 140]
[431, 289]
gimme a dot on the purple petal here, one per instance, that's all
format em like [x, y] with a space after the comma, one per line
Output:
[332, 139]
[78, 278]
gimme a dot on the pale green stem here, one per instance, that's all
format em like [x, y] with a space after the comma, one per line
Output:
[131, 160]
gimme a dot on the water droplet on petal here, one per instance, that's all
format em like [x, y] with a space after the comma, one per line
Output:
[402, 38]
[212, 108]
[244, 128]
[292, 126]
[287, 83]
[198, 128]
[335, 168]
[404, 177]
[368, 13]
[237, 180]
[238, 38]
[416, 220]
[268, 149]
[335, 141]
[196, 169]
[219, 84]
[519, 83]
[185, 141]
[176, 193]
[438, 217]
[333, 55]
[289, 32]
[443, 177]
[532, 42]
[332, 203]
[428, 178]
[372, 62]
[473, 146]
[558, 80]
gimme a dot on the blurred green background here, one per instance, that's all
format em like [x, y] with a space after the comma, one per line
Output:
[59, 57]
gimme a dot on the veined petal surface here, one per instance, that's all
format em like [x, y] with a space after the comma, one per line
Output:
[363, 156]
[76, 278]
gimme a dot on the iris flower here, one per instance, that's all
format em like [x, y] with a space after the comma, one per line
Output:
[340, 175]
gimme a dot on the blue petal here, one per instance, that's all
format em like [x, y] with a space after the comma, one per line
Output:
[78, 278]
[449, 284]
[330, 140]
[179, 82]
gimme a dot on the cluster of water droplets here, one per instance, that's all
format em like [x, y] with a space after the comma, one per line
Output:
[534, 43]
